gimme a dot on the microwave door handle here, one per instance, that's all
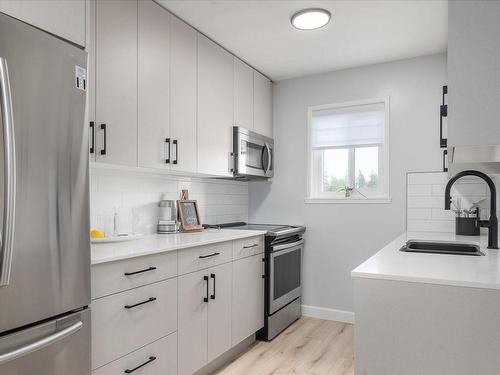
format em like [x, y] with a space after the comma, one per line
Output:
[269, 156]
[7, 232]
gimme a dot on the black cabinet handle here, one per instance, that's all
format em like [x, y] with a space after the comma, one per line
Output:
[212, 275]
[141, 271]
[176, 144]
[167, 160]
[249, 247]
[443, 112]
[206, 279]
[103, 128]
[151, 359]
[92, 128]
[208, 256]
[445, 156]
[151, 299]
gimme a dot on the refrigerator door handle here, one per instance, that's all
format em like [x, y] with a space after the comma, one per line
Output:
[7, 239]
[42, 343]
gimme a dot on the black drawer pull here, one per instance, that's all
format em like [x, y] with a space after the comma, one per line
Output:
[250, 246]
[443, 112]
[151, 359]
[141, 271]
[206, 298]
[92, 127]
[151, 299]
[103, 128]
[176, 144]
[212, 275]
[167, 159]
[208, 256]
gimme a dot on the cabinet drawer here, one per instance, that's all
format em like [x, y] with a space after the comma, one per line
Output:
[113, 277]
[159, 357]
[248, 246]
[126, 321]
[197, 258]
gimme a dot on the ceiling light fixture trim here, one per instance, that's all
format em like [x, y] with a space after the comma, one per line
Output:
[311, 18]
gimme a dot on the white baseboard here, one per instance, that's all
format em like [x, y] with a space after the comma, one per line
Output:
[328, 314]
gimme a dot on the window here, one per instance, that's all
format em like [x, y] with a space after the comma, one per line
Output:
[349, 151]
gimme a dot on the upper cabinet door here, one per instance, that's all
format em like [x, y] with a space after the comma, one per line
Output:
[154, 147]
[183, 52]
[262, 119]
[473, 73]
[243, 94]
[62, 18]
[215, 108]
[116, 82]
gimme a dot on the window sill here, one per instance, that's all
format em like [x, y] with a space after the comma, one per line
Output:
[380, 200]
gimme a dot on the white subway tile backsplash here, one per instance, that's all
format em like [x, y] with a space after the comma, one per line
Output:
[425, 200]
[446, 226]
[419, 213]
[419, 190]
[135, 196]
[430, 178]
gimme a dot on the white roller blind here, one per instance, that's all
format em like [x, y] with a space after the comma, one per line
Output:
[358, 125]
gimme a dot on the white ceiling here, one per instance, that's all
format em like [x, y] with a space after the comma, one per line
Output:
[360, 32]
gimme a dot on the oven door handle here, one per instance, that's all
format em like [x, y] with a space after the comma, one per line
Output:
[287, 245]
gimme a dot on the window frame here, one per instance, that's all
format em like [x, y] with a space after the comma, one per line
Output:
[314, 161]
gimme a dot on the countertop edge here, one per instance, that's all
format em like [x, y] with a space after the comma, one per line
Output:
[238, 236]
[424, 280]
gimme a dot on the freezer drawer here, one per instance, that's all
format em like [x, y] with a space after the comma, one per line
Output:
[57, 347]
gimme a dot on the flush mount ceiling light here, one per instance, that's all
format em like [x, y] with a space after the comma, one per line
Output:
[310, 19]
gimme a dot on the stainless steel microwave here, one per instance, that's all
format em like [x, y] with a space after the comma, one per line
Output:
[253, 154]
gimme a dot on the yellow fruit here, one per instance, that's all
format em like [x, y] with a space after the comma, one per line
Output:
[96, 234]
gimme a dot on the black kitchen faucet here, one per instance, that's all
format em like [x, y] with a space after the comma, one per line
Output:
[492, 223]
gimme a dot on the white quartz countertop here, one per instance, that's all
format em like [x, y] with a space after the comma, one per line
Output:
[158, 243]
[458, 270]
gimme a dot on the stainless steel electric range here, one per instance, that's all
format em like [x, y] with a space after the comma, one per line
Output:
[284, 246]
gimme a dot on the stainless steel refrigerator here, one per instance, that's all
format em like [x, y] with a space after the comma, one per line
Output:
[44, 204]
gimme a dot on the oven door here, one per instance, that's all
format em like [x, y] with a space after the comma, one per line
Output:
[254, 154]
[285, 276]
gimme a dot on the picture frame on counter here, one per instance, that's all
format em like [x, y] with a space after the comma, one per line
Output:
[189, 216]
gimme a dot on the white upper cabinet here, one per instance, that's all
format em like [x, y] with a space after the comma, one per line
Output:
[154, 145]
[63, 18]
[116, 82]
[183, 54]
[243, 94]
[473, 73]
[263, 111]
[215, 108]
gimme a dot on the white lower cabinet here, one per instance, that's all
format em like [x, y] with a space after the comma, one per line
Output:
[204, 316]
[142, 310]
[219, 310]
[125, 321]
[192, 329]
[247, 297]
[159, 357]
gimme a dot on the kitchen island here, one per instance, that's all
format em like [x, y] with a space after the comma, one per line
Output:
[432, 314]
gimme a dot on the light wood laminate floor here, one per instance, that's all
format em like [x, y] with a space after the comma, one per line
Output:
[308, 347]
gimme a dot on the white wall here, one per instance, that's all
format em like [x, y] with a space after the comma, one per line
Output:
[341, 236]
[135, 193]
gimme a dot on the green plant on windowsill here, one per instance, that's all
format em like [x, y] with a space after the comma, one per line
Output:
[347, 190]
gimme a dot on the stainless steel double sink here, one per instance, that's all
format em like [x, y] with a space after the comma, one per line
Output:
[456, 248]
